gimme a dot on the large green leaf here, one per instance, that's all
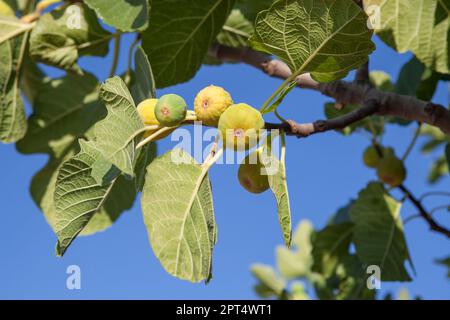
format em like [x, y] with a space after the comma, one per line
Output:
[144, 82]
[57, 40]
[179, 35]
[64, 110]
[178, 213]
[13, 123]
[116, 136]
[378, 232]
[78, 197]
[329, 247]
[11, 27]
[276, 174]
[327, 38]
[420, 26]
[125, 15]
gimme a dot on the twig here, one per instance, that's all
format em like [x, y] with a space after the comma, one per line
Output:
[413, 142]
[40, 7]
[424, 214]
[434, 193]
[302, 130]
[390, 104]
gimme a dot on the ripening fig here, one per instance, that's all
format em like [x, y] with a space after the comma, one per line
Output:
[251, 174]
[391, 170]
[210, 103]
[371, 157]
[240, 126]
[170, 110]
[146, 110]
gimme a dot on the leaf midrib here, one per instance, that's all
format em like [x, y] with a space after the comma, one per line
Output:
[187, 212]
[314, 53]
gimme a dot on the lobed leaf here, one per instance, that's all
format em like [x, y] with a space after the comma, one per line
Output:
[327, 38]
[420, 26]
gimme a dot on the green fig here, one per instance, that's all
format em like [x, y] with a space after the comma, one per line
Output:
[251, 174]
[391, 170]
[240, 126]
[146, 110]
[170, 110]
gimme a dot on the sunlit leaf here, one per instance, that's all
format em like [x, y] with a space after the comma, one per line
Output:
[337, 42]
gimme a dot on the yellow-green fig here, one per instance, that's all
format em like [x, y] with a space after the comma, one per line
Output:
[146, 110]
[252, 175]
[170, 110]
[210, 103]
[240, 126]
[391, 170]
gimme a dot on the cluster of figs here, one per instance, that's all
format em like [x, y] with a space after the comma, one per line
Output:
[390, 169]
[238, 125]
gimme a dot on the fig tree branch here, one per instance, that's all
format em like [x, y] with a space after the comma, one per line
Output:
[389, 104]
[424, 214]
[301, 130]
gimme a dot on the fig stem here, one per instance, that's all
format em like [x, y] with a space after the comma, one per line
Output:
[277, 91]
[152, 136]
[213, 150]
[413, 142]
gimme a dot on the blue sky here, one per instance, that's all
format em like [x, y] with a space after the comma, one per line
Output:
[324, 172]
